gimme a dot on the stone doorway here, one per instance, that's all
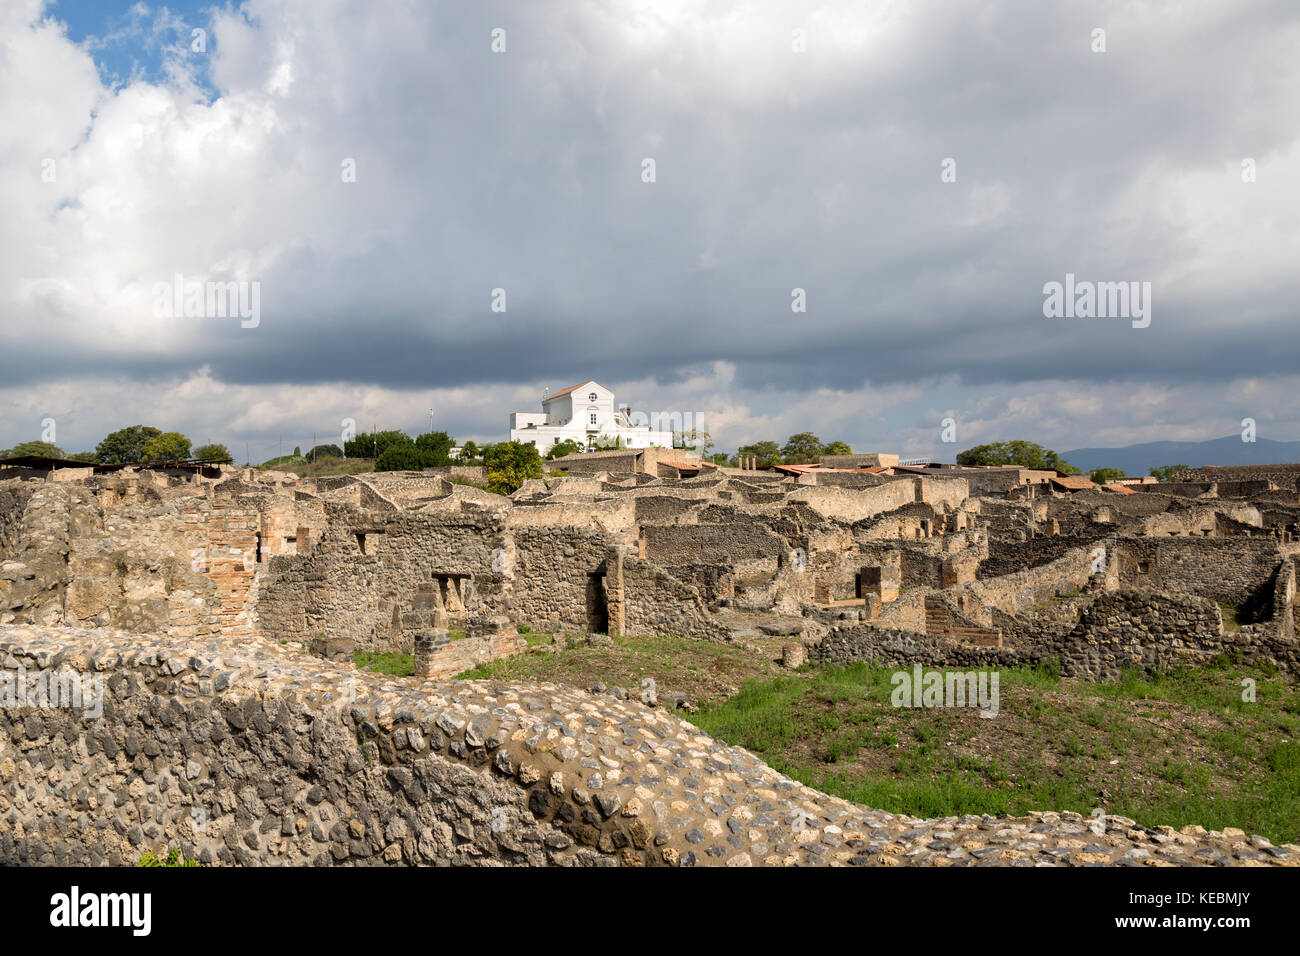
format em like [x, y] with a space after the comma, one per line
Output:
[597, 604]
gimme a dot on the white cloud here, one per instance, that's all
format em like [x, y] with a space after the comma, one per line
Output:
[776, 170]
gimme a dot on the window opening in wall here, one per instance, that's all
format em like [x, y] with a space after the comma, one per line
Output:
[361, 541]
[258, 543]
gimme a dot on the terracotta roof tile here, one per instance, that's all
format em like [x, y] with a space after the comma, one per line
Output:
[1073, 483]
[566, 391]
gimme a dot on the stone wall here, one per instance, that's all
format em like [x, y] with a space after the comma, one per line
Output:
[1147, 630]
[854, 504]
[1014, 592]
[114, 551]
[558, 578]
[437, 655]
[896, 646]
[1008, 557]
[1228, 570]
[1144, 629]
[259, 755]
[658, 603]
[1283, 475]
[363, 573]
[722, 543]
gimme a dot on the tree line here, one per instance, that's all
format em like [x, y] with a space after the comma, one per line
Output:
[136, 444]
[804, 448]
[509, 464]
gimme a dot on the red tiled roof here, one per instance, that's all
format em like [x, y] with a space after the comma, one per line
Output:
[1073, 483]
[819, 470]
[589, 381]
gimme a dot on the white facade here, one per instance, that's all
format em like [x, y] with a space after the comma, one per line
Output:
[582, 413]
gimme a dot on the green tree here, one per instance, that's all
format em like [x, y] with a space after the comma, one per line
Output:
[167, 446]
[40, 449]
[802, 448]
[696, 440]
[126, 445]
[509, 464]
[767, 453]
[837, 448]
[1165, 472]
[368, 445]
[325, 451]
[84, 456]
[721, 458]
[605, 443]
[401, 456]
[436, 448]
[213, 451]
[1103, 475]
[566, 447]
[1022, 453]
[469, 451]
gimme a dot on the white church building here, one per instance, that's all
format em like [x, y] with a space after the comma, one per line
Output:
[583, 413]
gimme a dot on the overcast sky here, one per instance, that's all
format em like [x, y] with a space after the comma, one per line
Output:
[775, 168]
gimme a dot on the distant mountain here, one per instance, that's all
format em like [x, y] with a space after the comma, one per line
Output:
[1140, 459]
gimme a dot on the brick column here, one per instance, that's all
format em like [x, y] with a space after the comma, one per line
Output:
[425, 645]
[614, 599]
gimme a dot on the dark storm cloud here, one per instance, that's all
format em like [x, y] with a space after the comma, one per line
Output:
[774, 171]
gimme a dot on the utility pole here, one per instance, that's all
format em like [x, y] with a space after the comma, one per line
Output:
[431, 416]
[313, 448]
[248, 459]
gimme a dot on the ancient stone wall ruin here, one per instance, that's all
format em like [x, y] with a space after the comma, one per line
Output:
[253, 753]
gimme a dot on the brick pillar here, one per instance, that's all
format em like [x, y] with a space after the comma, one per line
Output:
[426, 644]
[614, 598]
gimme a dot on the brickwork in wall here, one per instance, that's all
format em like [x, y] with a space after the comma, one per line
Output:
[437, 655]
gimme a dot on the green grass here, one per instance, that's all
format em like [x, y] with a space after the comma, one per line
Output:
[1230, 623]
[393, 663]
[322, 467]
[480, 485]
[697, 668]
[173, 858]
[1173, 749]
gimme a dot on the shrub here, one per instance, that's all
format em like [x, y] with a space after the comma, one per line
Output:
[173, 858]
[509, 464]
